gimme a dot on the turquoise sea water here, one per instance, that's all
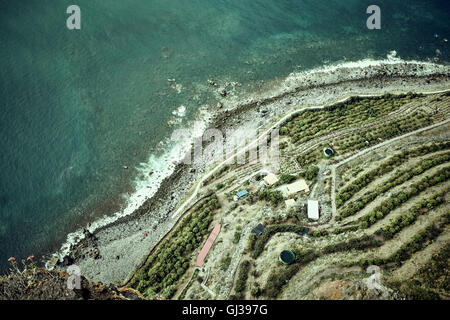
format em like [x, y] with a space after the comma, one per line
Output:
[78, 105]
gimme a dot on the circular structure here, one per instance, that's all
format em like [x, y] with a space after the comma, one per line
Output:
[328, 152]
[287, 257]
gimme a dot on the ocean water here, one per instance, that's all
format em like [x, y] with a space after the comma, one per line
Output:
[76, 106]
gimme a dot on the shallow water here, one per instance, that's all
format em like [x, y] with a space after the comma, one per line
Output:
[78, 105]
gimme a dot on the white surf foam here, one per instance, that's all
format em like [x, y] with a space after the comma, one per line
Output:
[146, 184]
[341, 71]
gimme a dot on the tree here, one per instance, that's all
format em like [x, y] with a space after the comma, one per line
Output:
[311, 172]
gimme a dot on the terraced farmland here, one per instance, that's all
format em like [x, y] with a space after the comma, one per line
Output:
[391, 203]
[384, 206]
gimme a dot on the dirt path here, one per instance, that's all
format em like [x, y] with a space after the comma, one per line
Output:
[376, 202]
[401, 112]
[407, 206]
[420, 259]
[380, 180]
[407, 234]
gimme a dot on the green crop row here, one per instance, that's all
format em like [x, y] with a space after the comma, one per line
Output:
[401, 222]
[397, 179]
[367, 137]
[314, 123]
[401, 197]
[387, 166]
[419, 242]
[163, 269]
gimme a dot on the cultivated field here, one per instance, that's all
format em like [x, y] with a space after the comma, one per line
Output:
[384, 202]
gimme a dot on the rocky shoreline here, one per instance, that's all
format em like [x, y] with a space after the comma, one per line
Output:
[111, 253]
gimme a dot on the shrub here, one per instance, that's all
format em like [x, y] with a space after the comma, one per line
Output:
[256, 291]
[251, 242]
[397, 199]
[236, 237]
[286, 178]
[270, 231]
[225, 262]
[272, 196]
[242, 276]
[311, 172]
[278, 278]
[169, 262]
[400, 222]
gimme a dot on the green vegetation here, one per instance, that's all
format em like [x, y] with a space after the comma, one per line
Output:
[413, 290]
[270, 231]
[251, 242]
[244, 268]
[169, 262]
[272, 196]
[397, 179]
[319, 233]
[286, 178]
[400, 222]
[385, 167]
[418, 243]
[436, 274]
[314, 123]
[279, 278]
[367, 121]
[311, 172]
[220, 186]
[256, 291]
[401, 197]
[225, 262]
[365, 138]
[361, 243]
[305, 256]
[345, 229]
[237, 236]
[194, 276]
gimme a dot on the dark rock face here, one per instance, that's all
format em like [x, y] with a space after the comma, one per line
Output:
[42, 284]
[87, 247]
[68, 260]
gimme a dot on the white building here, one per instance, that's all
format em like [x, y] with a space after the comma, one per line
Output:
[297, 186]
[313, 209]
[289, 203]
[271, 179]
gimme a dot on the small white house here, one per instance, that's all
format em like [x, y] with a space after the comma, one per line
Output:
[297, 186]
[271, 179]
[289, 203]
[313, 209]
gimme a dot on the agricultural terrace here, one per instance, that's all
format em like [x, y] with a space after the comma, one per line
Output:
[383, 197]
